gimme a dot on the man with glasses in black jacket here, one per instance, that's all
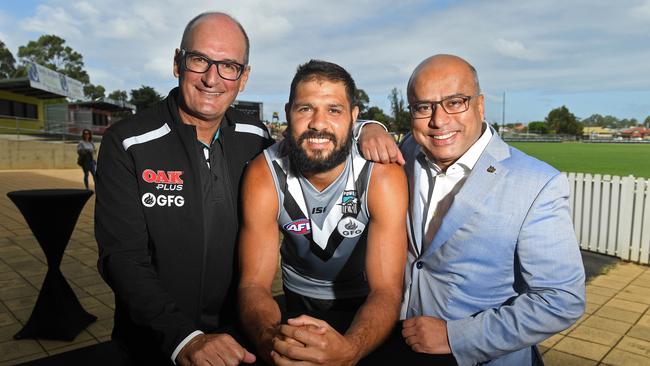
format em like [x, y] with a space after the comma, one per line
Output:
[166, 210]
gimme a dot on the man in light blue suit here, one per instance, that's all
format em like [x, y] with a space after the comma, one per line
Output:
[493, 265]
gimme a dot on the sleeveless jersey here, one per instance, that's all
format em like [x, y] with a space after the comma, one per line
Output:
[324, 233]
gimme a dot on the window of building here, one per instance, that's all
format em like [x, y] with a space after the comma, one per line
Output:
[13, 108]
[100, 119]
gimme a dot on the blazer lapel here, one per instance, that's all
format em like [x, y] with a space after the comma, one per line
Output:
[482, 181]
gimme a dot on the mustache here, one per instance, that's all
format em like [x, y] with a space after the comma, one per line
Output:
[316, 135]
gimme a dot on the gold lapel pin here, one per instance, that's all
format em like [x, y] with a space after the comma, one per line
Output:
[491, 169]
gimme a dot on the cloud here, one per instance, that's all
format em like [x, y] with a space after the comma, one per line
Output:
[554, 46]
[52, 20]
[515, 49]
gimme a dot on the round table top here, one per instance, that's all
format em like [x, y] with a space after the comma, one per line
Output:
[53, 192]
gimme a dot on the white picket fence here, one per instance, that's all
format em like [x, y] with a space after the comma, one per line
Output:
[611, 215]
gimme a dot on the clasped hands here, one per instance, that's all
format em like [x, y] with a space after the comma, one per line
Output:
[309, 341]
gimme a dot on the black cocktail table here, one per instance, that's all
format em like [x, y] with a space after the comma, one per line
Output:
[51, 215]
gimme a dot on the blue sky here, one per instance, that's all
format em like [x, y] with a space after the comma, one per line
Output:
[591, 56]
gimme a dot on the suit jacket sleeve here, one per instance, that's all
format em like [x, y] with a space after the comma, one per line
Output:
[550, 281]
[124, 259]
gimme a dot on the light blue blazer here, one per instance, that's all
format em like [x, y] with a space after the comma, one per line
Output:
[504, 269]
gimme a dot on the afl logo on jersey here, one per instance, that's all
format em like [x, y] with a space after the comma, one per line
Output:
[350, 227]
[300, 226]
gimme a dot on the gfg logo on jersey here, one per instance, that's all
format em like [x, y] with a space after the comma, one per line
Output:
[163, 200]
[299, 227]
[164, 180]
[349, 227]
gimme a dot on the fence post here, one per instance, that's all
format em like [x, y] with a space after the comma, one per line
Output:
[585, 241]
[614, 203]
[625, 217]
[604, 214]
[645, 236]
[595, 213]
[577, 216]
[637, 216]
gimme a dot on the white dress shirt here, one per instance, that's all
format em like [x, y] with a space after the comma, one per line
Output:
[437, 196]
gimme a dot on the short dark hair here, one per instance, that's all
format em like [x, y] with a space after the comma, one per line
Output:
[191, 23]
[315, 69]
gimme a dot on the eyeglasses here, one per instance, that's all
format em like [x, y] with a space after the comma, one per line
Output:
[198, 63]
[451, 105]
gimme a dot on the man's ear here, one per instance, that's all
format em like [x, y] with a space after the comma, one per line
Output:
[176, 68]
[355, 113]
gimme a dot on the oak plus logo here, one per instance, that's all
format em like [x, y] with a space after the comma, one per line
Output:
[163, 200]
[164, 180]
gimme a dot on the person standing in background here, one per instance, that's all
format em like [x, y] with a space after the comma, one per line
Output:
[86, 152]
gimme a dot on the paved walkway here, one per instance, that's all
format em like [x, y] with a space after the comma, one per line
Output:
[614, 331]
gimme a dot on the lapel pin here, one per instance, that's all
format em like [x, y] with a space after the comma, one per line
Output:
[491, 169]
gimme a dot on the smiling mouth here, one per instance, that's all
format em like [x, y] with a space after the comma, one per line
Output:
[445, 136]
[314, 140]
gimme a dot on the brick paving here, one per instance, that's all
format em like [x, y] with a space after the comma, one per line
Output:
[615, 329]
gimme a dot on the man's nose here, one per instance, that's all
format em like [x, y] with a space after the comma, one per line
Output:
[211, 76]
[439, 117]
[318, 120]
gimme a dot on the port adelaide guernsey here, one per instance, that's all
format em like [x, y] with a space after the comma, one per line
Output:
[324, 245]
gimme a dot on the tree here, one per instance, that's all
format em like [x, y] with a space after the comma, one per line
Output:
[539, 127]
[495, 126]
[119, 95]
[646, 123]
[144, 97]
[361, 100]
[94, 92]
[401, 117]
[377, 114]
[562, 121]
[7, 62]
[50, 51]
[594, 120]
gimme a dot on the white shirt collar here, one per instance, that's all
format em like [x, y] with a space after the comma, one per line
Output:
[467, 161]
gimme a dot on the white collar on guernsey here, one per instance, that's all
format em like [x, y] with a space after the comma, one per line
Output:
[467, 161]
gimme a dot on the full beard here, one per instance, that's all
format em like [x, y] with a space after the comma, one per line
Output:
[303, 164]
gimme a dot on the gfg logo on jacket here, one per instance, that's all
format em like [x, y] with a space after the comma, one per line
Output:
[165, 180]
[163, 200]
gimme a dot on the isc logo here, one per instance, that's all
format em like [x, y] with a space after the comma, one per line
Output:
[299, 227]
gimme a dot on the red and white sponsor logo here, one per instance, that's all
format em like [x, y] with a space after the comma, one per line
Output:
[300, 227]
[165, 180]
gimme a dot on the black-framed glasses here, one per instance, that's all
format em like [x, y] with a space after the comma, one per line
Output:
[451, 105]
[195, 62]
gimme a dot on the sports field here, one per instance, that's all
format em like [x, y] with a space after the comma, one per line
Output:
[614, 159]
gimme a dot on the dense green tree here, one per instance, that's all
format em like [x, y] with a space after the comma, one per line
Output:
[401, 117]
[144, 97]
[539, 127]
[646, 123]
[562, 121]
[50, 51]
[495, 126]
[94, 92]
[361, 100]
[377, 114]
[7, 62]
[119, 95]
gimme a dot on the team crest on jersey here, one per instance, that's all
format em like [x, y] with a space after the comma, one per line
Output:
[349, 227]
[349, 203]
[300, 226]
